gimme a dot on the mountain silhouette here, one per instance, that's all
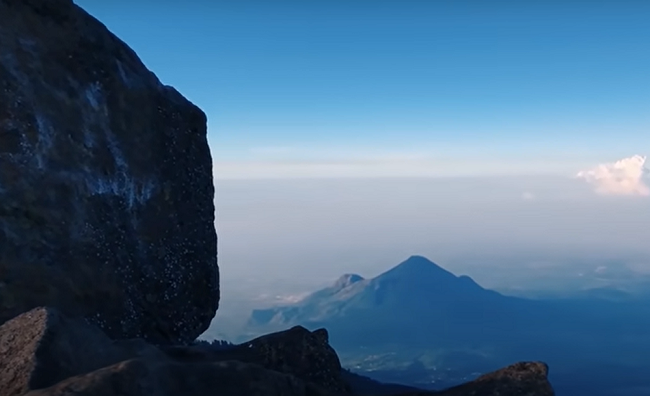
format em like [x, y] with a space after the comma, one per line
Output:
[419, 312]
[415, 295]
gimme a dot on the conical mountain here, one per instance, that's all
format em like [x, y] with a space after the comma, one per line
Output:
[416, 267]
[418, 313]
[417, 289]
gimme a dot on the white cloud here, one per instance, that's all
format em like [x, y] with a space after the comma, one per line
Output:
[628, 176]
[281, 299]
[528, 196]
[290, 299]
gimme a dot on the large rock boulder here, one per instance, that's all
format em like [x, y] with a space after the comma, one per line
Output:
[44, 352]
[106, 192]
[302, 353]
[297, 351]
[43, 347]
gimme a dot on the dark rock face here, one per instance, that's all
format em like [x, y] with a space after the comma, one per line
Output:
[364, 386]
[147, 377]
[42, 347]
[521, 379]
[43, 352]
[303, 353]
[106, 193]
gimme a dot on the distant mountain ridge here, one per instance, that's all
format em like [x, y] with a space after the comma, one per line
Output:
[419, 324]
[405, 287]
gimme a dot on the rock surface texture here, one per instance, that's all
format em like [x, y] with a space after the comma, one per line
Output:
[43, 347]
[299, 352]
[43, 352]
[106, 191]
[303, 353]
[146, 377]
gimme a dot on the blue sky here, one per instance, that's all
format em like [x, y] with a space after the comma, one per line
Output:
[319, 87]
[377, 88]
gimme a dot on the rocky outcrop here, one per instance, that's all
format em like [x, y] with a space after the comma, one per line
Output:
[45, 353]
[106, 193]
[521, 379]
[43, 347]
[302, 353]
[147, 377]
[364, 386]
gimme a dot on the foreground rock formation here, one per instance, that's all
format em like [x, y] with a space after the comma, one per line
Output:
[43, 347]
[45, 353]
[106, 192]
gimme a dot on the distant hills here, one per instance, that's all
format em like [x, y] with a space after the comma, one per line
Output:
[416, 292]
[437, 329]
[416, 299]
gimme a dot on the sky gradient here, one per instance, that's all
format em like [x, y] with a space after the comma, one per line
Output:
[409, 88]
[379, 107]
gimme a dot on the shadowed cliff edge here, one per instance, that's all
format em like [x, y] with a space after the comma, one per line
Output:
[108, 269]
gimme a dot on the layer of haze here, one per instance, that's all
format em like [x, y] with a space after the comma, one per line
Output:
[504, 140]
[282, 238]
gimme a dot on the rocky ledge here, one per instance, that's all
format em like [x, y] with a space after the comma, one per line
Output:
[45, 353]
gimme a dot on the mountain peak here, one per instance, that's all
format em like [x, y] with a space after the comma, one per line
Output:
[347, 279]
[417, 260]
[418, 267]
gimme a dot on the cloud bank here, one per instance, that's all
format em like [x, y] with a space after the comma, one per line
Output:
[628, 176]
